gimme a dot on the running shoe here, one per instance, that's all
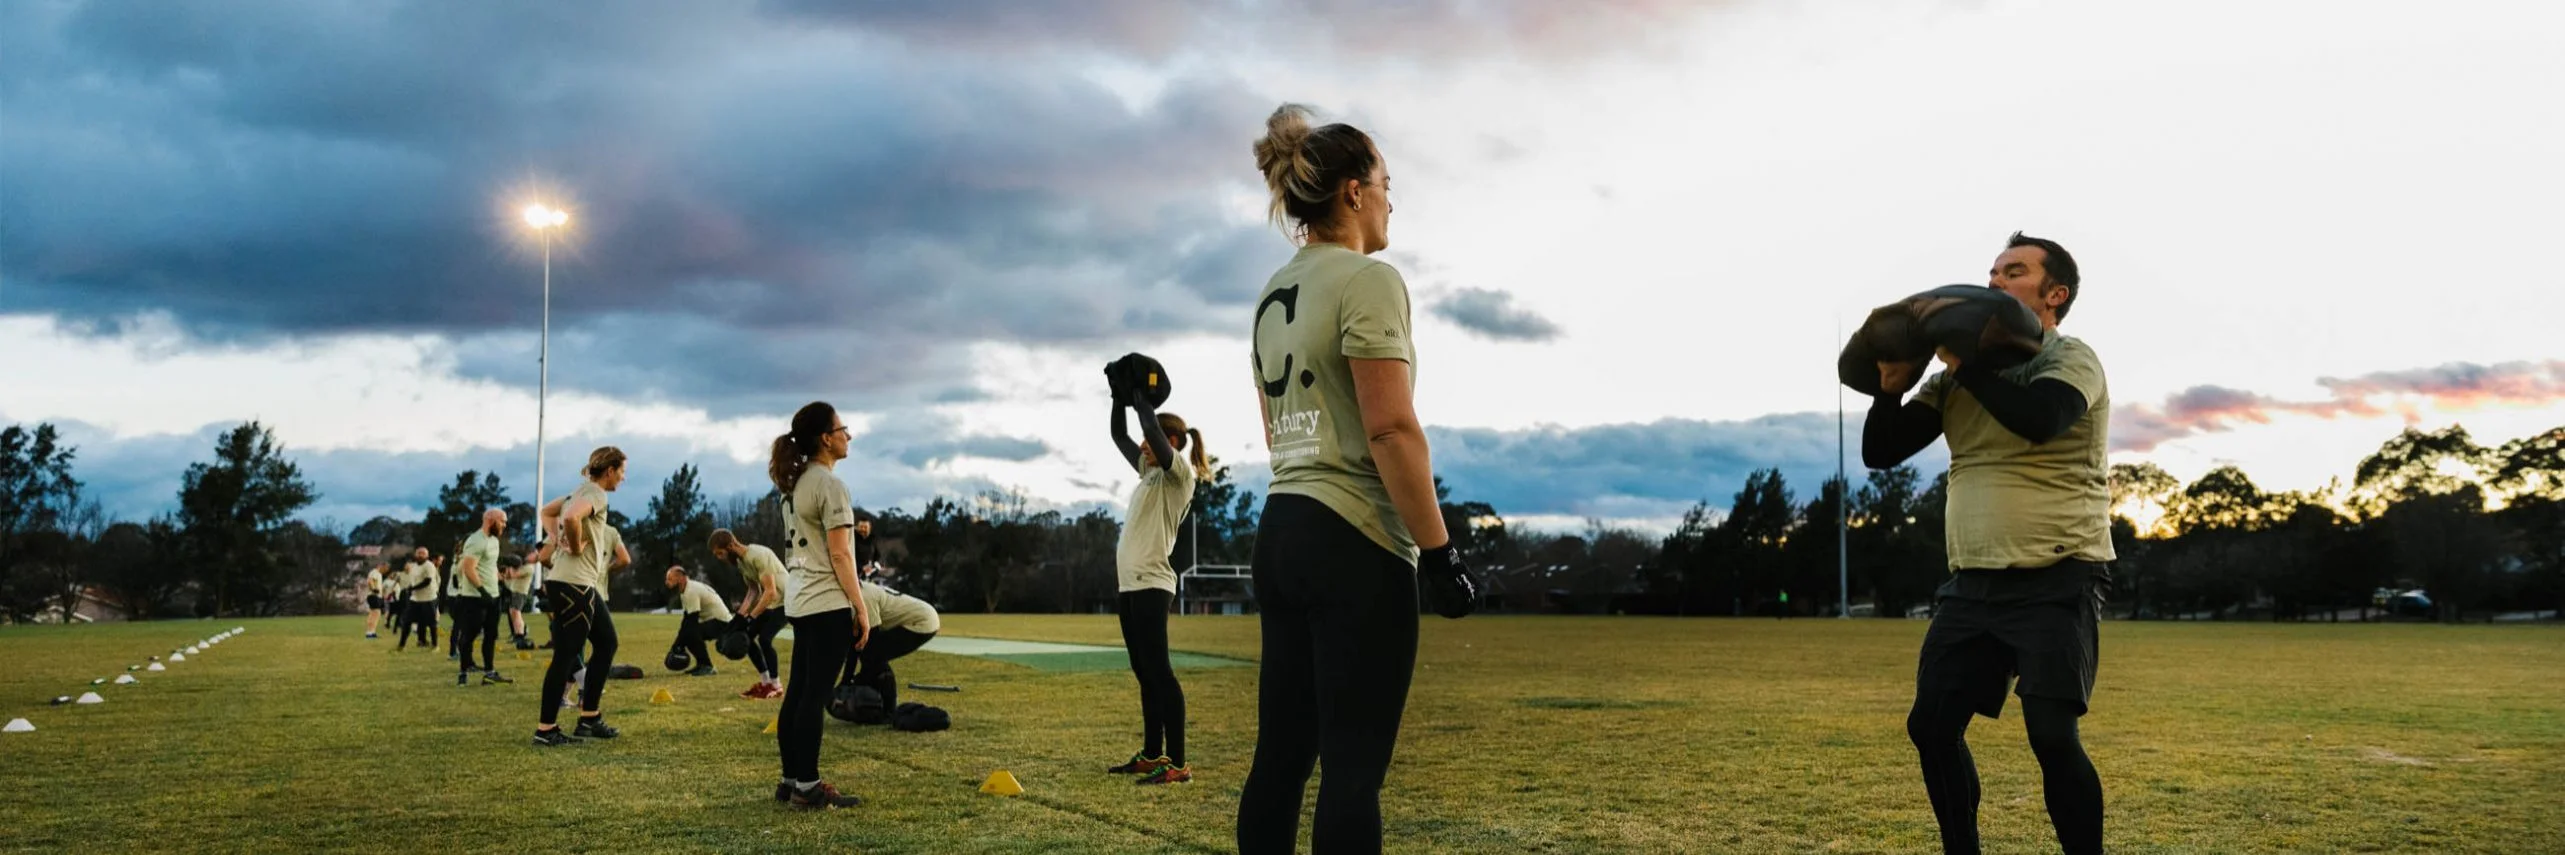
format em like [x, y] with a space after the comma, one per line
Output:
[1167, 774]
[783, 792]
[596, 728]
[755, 693]
[1141, 764]
[553, 737]
[372, 635]
[822, 797]
[493, 676]
[700, 671]
[463, 678]
[770, 692]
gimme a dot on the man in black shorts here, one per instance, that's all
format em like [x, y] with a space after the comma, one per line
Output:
[2028, 527]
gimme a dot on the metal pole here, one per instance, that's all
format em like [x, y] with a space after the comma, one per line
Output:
[543, 391]
[1843, 505]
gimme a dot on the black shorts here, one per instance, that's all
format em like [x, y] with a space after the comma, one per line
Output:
[2041, 624]
[373, 602]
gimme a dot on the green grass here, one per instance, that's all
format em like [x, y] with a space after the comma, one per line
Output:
[1522, 735]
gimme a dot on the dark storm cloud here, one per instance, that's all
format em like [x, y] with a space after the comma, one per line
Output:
[1652, 470]
[1494, 315]
[797, 194]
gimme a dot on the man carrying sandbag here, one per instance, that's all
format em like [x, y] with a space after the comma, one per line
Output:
[2029, 540]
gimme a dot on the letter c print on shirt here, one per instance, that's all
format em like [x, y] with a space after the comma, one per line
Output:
[1289, 299]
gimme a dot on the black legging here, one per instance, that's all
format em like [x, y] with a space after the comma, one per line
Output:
[761, 642]
[871, 666]
[1939, 727]
[816, 662]
[1340, 625]
[420, 619]
[579, 617]
[690, 638]
[1162, 699]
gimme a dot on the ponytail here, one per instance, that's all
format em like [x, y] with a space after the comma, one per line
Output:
[792, 451]
[1174, 425]
[1201, 459]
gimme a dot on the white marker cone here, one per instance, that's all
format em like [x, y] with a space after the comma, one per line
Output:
[154, 667]
[19, 725]
[90, 698]
[240, 629]
[126, 680]
[177, 657]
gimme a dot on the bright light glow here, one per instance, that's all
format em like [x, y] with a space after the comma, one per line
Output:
[541, 217]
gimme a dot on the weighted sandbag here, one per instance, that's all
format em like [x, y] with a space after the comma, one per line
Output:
[920, 718]
[1138, 371]
[679, 660]
[1977, 324]
[623, 671]
[732, 645]
[857, 704]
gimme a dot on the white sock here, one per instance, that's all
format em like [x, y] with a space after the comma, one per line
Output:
[805, 786]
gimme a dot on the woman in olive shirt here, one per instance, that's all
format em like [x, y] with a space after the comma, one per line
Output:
[578, 552]
[819, 525]
[1337, 557]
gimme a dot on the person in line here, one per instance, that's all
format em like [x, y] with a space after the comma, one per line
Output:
[476, 600]
[579, 547]
[418, 592]
[705, 615]
[2028, 533]
[1146, 579]
[373, 601]
[759, 607]
[819, 527]
[901, 625]
[1351, 525]
[515, 577]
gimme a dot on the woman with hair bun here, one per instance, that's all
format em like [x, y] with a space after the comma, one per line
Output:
[819, 529]
[1146, 578]
[578, 548]
[1337, 561]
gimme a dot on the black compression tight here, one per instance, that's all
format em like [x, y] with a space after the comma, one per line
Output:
[468, 624]
[820, 644]
[1162, 699]
[2073, 790]
[579, 618]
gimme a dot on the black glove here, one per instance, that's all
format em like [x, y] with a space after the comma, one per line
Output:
[1446, 581]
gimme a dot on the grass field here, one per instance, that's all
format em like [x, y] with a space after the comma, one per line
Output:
[1523, 734]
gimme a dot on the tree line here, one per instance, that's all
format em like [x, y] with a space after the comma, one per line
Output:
[2431, 525]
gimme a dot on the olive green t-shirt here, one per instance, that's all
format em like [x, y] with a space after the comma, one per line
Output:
[374, 581]
[417, 572]
[818, 505]
[483, 551]
[1149, 531]
[703, 602]
[2014, 504]
[609, 539]
[1329, 305]
[894, 610]
[519, 581]
[584, 567]
[759, 567]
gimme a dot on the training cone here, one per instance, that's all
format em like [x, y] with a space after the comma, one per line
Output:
[177, 657]
[239, 629]
[1001, 783]
[126, 680]
[662, 697]
[157, 667]
[523, 656]
[770, 724]
[19, 725]
[90, 698]
[191, 651]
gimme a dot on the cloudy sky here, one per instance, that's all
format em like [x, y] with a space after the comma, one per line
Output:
[1635, 230]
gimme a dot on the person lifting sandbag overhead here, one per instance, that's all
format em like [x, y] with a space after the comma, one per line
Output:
[1975, 323]
[1136, 371]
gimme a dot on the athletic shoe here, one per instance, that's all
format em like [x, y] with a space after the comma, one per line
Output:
[755, 693]
[768, 691]
[372, 635]
[553, 737]
[493, 676]
[822, 797]
[596, 728]
[1141, 764]
[701, 671]
[451, 656]
[783, 793]
[463, 678]
[1167, 774]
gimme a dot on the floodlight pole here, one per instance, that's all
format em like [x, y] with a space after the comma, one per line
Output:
[1843, 505]
[543, 391]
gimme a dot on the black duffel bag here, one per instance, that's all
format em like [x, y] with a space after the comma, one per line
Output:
[1977, 324]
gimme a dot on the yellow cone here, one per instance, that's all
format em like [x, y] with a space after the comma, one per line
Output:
[1001, 783]
[770, 724]
[662, 697]
[523, 656]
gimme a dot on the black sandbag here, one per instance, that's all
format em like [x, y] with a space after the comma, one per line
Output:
[1138, 371]
[920, 718]
[856, 704]
[732, 645]
[624, 671]
[1980, 325]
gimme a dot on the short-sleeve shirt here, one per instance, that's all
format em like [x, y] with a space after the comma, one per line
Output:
[759, 567]
[374, 581]
[818, 505]
[518, 583]
[703, 602]
[585, 568]
[608, 540]
[2014, 504]
[1149, 529]
[891, 609]
[417, 572]
[1326, 306]
[483, 550]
